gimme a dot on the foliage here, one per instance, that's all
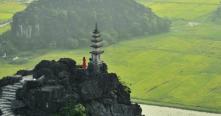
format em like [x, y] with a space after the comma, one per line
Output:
[126, 88]
[71, 109]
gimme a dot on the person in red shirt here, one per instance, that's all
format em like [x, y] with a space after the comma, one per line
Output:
[84, 64]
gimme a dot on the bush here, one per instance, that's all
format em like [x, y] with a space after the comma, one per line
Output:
[71, 109]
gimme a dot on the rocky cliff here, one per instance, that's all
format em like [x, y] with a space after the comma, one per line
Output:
[61, 88]
[66, 23]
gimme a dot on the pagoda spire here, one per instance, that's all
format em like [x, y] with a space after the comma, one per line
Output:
[96, 50]
[96, 28]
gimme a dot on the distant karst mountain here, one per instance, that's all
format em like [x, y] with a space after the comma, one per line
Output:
[66, 23]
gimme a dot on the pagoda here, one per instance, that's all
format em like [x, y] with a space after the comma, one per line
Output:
[96, 51]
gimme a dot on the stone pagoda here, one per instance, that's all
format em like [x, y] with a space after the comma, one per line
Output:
[96, 51]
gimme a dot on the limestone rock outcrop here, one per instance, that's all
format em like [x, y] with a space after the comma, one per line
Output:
[59, 85]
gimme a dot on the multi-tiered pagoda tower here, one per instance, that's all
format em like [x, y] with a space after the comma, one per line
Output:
[96, 51]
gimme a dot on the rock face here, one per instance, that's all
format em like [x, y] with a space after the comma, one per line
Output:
[58, 83]
[63, 23]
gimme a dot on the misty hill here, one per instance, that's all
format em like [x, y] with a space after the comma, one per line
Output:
[66, 24]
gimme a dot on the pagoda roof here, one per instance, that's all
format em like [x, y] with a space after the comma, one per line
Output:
[96, 40]
[97, 52]
[96, 35]
[96, 46]
[96, 31]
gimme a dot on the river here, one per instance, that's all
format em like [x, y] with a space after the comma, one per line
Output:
[149, 110]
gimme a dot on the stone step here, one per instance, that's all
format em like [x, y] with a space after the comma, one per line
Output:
[5, 106]
[8, 98]
[8, 114]
[8, 92]
[17, 86]
[6, 109]
[8, 95]
[19, 83]
[9, 89]
[2, 99]
[5, 102]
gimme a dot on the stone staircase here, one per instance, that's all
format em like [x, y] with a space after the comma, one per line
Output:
[7, 97]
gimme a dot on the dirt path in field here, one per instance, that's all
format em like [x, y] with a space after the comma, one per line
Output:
[5, 23]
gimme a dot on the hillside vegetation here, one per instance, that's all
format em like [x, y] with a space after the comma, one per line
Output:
[66, 24]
